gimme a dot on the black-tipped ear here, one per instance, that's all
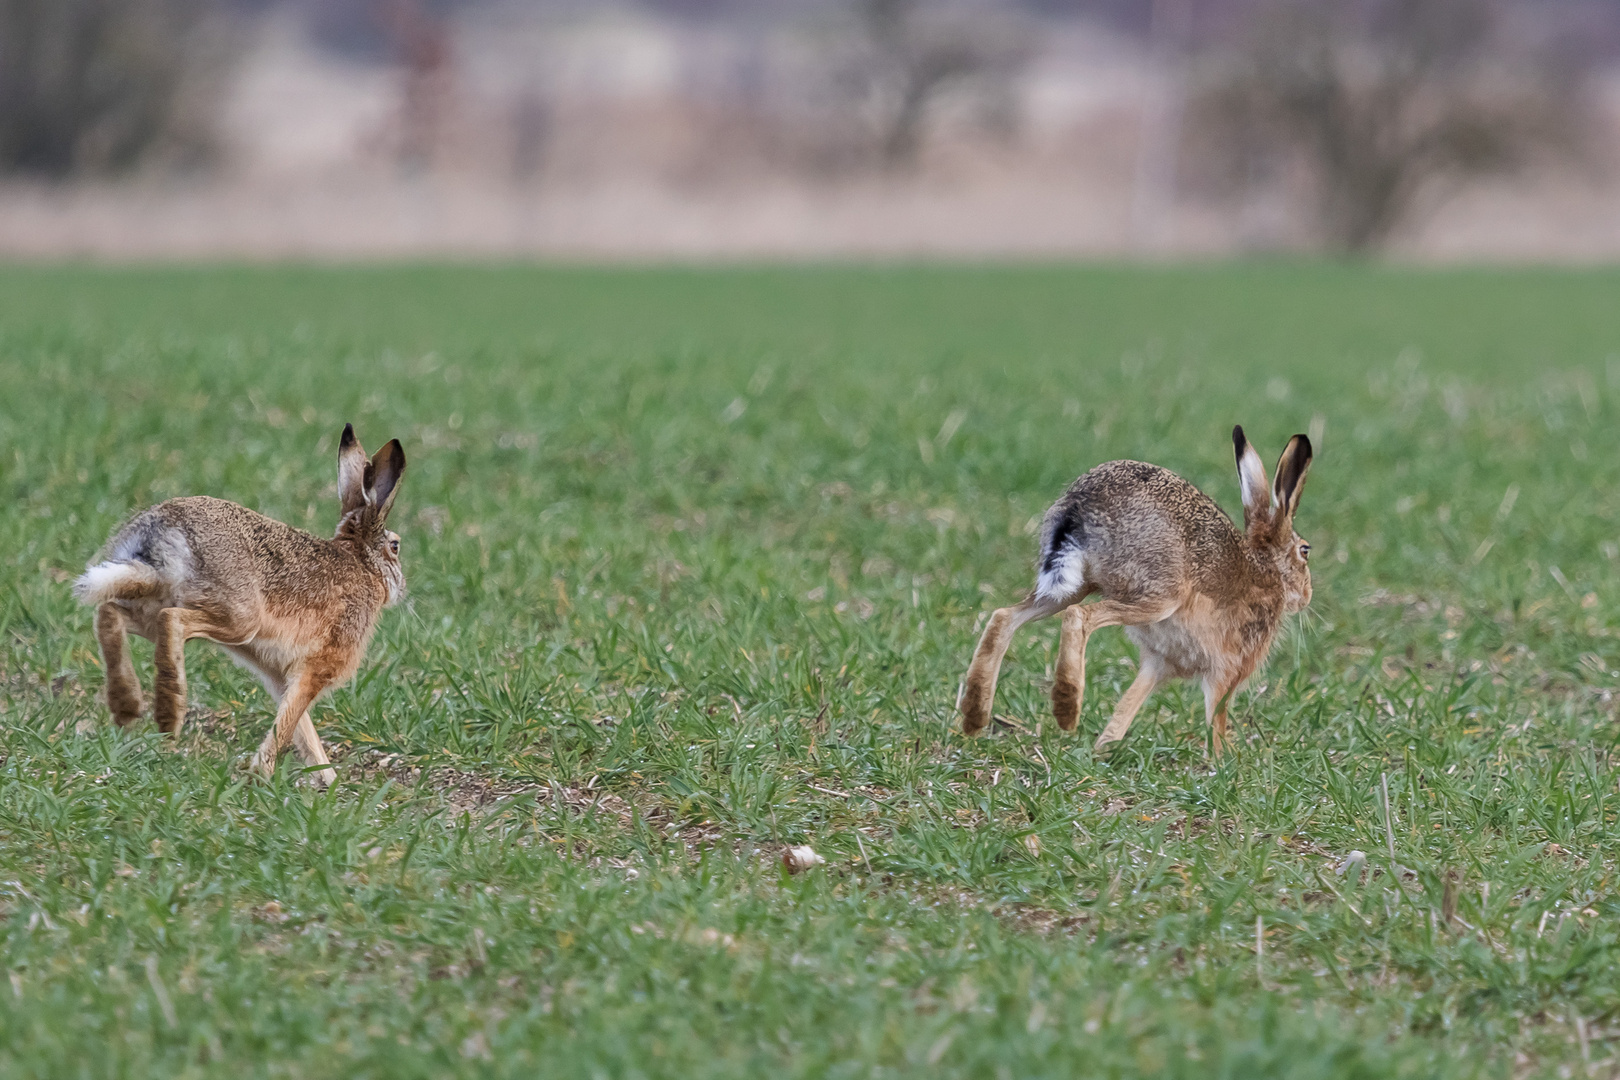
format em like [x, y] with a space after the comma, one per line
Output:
[352, 465]
[1291, 469]
[1251, 478]
[386, 467]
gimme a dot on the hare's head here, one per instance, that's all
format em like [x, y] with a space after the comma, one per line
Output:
[367, 487]
[1268, 514]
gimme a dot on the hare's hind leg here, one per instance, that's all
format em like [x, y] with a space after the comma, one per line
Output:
[123, 688]
[1069, 680]
[979, 688]
[173, 626]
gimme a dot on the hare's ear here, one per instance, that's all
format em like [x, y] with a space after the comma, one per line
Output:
[1252, 479]
[1291, 469]
[352, 465]
[386, 467]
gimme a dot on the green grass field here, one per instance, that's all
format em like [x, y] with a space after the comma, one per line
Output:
[696, 561]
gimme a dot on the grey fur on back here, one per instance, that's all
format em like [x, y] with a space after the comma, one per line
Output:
[1134, 530]
[148, 538]
[219, 554]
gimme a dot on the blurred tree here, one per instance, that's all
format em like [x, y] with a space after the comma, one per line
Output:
[101, 86]
[1378, 106]
[911, 57]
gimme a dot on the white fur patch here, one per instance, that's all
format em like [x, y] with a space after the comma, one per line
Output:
[116, 581]
[1065, 578]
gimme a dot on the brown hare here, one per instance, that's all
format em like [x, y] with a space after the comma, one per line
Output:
[1200, 598]
[295, 609]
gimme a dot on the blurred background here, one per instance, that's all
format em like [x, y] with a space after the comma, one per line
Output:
[656, 129]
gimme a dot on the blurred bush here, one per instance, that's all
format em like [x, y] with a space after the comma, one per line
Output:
[909, 59]
[846, 87]
[1369, 112]
[103, 86]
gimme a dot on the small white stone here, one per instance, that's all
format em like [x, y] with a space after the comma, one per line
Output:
[800, 858]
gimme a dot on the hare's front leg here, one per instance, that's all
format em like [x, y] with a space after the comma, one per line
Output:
[1217, 695]
[979, 688]
[305, 741]
[1147, 677]
[123, 688]
[302, 689]
[311, 752]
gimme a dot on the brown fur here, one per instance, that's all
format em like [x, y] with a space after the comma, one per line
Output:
[1201, 598]
[296, 609]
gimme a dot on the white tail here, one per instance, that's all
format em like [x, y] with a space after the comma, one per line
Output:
[1061, 574]
[116, 581]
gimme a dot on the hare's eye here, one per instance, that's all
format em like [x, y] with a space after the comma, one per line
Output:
[393, 545]
[1304, 551]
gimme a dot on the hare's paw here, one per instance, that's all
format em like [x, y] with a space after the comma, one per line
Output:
[321, 779]
[974, 705]
[262, 764]
[1107, 746]
[1066, 704]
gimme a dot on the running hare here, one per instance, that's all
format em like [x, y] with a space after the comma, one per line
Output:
[296, 609]
[1200, 598]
